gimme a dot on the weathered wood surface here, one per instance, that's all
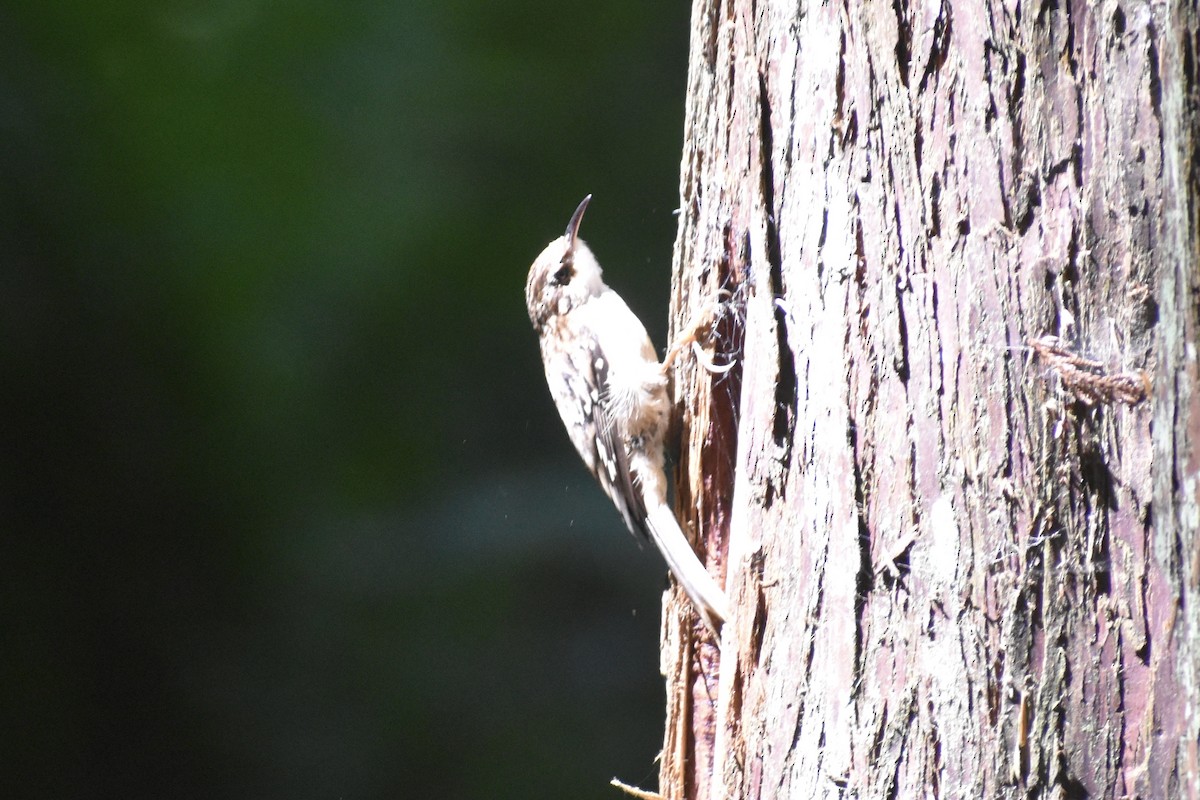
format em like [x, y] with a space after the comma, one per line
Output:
[952, 576]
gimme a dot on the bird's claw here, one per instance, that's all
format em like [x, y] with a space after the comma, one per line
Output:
[703, 360]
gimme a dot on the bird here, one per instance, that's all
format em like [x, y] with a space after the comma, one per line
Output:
[611, 392]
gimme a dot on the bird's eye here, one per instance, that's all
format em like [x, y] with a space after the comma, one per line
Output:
[564, 273]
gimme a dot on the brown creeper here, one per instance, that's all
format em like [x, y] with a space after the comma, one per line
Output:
[611, 392]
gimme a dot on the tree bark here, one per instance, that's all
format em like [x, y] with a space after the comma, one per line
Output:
[962, 563]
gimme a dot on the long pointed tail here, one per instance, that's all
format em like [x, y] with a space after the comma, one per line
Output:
[700, 586]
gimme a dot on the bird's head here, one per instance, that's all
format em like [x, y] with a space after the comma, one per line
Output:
[565, 275]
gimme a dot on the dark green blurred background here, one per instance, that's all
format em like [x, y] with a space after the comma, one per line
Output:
[287, 511]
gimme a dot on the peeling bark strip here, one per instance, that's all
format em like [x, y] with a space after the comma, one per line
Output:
[940, 589]
[1087, 378]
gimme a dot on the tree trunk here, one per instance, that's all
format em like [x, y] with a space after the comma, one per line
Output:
[963, 555]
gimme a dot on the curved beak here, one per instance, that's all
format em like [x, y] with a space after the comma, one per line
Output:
[576, 218]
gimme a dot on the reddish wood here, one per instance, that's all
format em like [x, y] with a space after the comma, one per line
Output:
[953, 574]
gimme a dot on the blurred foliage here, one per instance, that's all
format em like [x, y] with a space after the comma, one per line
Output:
[287, 511]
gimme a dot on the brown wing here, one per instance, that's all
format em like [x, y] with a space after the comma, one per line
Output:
[578, 380]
